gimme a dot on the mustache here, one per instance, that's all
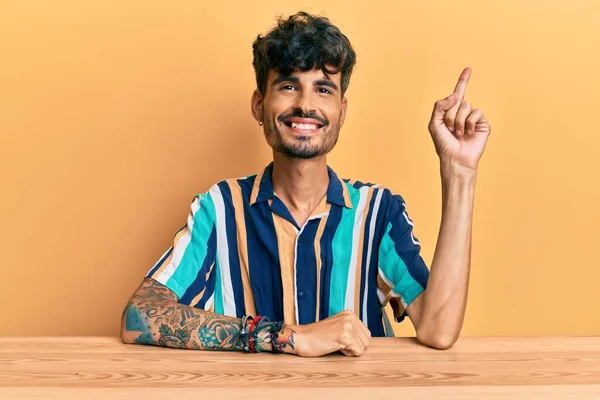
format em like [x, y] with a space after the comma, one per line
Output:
[300, 114]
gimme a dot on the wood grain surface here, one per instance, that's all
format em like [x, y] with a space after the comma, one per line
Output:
[103, 367]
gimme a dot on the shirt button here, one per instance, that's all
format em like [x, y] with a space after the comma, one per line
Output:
[301, 295]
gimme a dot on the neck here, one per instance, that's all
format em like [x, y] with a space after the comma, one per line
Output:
[301, 184]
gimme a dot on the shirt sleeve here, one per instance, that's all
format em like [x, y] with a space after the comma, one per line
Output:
[402, 272]
[187, 267]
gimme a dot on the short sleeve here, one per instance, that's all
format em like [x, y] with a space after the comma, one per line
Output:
[402, 273]
[186, 267]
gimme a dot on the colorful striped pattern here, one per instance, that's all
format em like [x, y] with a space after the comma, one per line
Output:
[241, 252]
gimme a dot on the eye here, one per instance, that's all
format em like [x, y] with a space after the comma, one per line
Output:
[324, 90]
[288, 87]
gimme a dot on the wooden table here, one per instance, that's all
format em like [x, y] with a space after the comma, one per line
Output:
[475, 368]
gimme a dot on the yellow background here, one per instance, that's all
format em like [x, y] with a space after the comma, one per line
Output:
[113, 114]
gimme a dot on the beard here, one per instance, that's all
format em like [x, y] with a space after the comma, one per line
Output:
[303, 147]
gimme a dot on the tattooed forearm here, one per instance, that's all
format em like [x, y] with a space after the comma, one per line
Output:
[154, 316]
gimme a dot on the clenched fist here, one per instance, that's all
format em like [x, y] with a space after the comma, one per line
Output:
[343, 332]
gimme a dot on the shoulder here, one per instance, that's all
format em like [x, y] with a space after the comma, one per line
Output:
[386, 199]
[226, 192]
[227, 185]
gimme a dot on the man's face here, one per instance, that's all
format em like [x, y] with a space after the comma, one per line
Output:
[302, 112]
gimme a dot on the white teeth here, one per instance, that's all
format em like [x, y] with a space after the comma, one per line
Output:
[307, 127]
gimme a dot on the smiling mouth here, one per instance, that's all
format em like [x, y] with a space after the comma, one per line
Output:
[303, 127]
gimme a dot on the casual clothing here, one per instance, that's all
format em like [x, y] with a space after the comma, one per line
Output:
[241, 252]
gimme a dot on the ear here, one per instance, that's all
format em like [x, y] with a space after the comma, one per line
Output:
[343, 112]
[256, 105]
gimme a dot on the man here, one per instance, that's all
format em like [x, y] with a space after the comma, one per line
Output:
[295, 259]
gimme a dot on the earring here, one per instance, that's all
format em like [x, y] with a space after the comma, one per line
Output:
[260, 123]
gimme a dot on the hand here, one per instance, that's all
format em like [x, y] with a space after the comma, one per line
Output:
[343, 332]
[459, 132]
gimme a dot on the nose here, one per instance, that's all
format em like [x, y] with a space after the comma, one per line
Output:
[304, 103]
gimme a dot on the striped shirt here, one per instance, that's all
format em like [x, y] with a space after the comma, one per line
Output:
[241, 252]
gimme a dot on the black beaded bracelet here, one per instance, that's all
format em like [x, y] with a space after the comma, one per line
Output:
[244, 334]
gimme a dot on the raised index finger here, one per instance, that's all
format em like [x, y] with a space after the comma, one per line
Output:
[461, 85]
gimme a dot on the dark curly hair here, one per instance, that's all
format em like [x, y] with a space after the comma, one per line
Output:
[301, 43]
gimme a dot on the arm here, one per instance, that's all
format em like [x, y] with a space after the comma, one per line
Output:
[438, 313]
[154, 316]
[460, 135]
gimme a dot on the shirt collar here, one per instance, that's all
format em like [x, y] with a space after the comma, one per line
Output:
[337, 191]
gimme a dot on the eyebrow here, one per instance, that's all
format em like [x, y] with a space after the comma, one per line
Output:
[285, 78]
[290, 78]
[326, 82]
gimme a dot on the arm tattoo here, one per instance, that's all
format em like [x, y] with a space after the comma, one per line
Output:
[154, 316]
[285, 339]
